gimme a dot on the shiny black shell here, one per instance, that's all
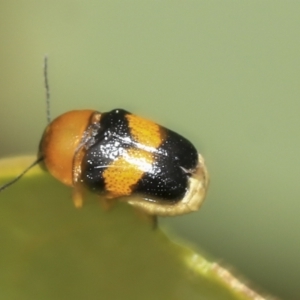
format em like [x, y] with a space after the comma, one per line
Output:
[172, 159]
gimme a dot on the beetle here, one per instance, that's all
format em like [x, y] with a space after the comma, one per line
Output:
[120, 155]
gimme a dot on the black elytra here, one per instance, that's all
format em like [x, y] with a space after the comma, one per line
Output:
[167, 179]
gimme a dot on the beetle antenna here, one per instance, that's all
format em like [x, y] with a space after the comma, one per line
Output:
[6, 185]
[47, 88]
[39, 159]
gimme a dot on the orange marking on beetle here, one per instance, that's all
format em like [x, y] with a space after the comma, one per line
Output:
[59, 143]
[121, 176]
[145, 131]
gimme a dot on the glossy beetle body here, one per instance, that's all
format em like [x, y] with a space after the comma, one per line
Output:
[118, 154]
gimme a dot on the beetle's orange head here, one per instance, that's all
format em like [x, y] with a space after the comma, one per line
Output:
[60, 141]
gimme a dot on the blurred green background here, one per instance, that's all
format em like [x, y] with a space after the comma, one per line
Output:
[225, 74]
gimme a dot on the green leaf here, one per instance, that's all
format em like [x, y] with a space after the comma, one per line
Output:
[51, 250]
